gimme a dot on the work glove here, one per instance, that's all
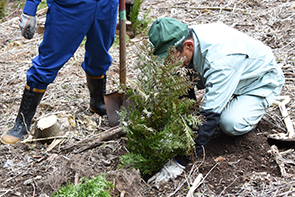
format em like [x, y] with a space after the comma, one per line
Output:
[27, 25]
[169, 171]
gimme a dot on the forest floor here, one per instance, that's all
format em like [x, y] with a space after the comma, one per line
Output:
[231, 166]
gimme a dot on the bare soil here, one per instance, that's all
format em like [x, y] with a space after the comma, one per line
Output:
[231, 166]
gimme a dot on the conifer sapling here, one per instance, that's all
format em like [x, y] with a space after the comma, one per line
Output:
[163, 121]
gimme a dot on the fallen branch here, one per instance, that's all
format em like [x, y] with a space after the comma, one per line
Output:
[94, 141]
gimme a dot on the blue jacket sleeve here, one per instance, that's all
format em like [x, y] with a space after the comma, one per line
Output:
[31, 7]
[204, 134]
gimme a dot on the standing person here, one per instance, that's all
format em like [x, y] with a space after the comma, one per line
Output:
[67, 23]
[239, 73]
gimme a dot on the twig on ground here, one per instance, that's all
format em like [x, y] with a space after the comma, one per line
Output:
[192, 171]
[9, 190]
[195, 185]
[209, 172]
[178, 188]
[53, 144]
[227, 187]
[34, 189]
[274, 151]
[202, 179]
[204, 157]
[288, 73]
[208, 8]
[269, 121]
[289, 79]
[4, 77]
[42, 12]
[32, 40]
[122, 194]
[76, 181]
[43, 139]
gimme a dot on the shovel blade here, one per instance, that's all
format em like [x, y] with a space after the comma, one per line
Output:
[114, 101]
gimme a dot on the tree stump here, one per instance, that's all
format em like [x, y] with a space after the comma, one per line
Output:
[48, 127]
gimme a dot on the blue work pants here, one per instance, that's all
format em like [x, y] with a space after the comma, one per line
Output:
[67, 23]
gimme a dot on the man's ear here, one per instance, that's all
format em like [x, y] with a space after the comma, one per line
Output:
[189, 44]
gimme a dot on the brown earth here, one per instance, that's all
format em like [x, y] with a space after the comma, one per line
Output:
[231, 166]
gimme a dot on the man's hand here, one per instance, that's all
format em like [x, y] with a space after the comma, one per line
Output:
[200, 97]
[27, 25]
[169, 171]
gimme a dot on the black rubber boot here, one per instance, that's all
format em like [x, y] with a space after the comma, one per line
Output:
[29, 103]
[97, 89]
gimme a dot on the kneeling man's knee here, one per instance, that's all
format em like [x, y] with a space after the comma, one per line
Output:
[234, 126]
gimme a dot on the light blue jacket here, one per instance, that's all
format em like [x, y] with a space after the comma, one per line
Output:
[257, 73]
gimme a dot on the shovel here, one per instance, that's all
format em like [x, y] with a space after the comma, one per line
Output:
[283, 139]
[115, 100]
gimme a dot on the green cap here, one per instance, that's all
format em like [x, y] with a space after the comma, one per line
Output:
[166, 32]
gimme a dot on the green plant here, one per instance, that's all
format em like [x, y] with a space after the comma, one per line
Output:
[2, 8]
[20, 3]
[68, 190]
[161, 122]
[83, 41]
[136, 24]
[95, 187]
[42, 5]
[117, 41]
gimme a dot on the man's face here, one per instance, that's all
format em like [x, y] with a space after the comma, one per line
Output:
[188, 52]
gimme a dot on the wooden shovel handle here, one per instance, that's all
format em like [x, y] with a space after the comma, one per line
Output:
[122, 41]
